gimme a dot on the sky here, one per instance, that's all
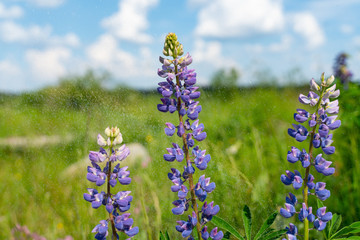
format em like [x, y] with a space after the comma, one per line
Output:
[42, 41]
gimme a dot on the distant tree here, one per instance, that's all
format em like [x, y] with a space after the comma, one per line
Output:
[225, 78]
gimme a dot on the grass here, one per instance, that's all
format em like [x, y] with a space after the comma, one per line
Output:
[247, 139]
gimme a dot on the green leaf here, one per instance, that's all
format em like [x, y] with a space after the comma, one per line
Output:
[352, 237]
[355, 225]
[221, 223]
[246, 216]
[320, 204]
[164, 236]
[274, 235]
[266, 224]
[346, 230]
[334, 224]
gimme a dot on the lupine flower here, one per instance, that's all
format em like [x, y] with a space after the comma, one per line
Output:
[119, 202]
[179, 94]
[322, 122]
[341, 70]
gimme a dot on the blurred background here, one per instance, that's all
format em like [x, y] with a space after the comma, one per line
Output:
[69, 69]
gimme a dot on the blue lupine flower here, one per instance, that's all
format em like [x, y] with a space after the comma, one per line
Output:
[311, 216]
[101, 230]
[208, 211]
[292, 232]
[288, 211]
[170, 129]
[312, 99]
[301, 116]
[174, 153]
[215, 235]
[321, 192]
[310, 182]
[323, 215]
[323, 166]
[304, 213]
[291, 178]
[291, 199]
[299, 132]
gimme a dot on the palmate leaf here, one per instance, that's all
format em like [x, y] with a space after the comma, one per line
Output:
[334, 224]
[246, 216]
[221, 223]
[353, 228]
[274, 235]
[266, 225]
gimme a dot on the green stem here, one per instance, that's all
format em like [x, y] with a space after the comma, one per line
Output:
[188, 161]
[108, 194]
[311, 147]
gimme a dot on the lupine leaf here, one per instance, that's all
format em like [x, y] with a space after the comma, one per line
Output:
[352, 237]
[246, 216]
[266, 224]
[320, 204]
[346, 230]
[164, 236]
[334, 224]
[265, 233]
[274, 235]
[221, 223]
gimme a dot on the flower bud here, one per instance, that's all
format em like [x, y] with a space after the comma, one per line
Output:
[330, 80]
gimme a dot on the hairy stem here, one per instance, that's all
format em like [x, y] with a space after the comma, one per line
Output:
[188, 161]
[108, 194]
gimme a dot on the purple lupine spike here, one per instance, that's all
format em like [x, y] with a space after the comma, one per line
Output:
[180, 94]
[322, 121]
[109, 175]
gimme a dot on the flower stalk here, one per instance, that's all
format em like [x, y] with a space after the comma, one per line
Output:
[180, 94]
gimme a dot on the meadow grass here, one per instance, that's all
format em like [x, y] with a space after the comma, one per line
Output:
[247, 140]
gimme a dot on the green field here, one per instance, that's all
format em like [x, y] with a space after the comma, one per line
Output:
[247, 139]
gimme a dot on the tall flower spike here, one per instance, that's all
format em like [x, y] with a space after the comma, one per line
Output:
[110, 175]
[322, 122]
[179, 94]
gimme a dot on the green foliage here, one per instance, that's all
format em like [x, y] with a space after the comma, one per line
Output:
[225, 79]
[247, 140]
[332, 229]
[264, 233]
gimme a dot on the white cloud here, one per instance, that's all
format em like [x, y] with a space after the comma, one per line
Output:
[346, 29]
[283, 45]
[130, 21]
[234, 18]
[10, 12]
[307, 26]
[106, 54]
[209, 55]
[48, 65]
[12, 78]
[46, 3]
[12, 32]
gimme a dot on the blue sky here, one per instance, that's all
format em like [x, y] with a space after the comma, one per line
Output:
[44, 40]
